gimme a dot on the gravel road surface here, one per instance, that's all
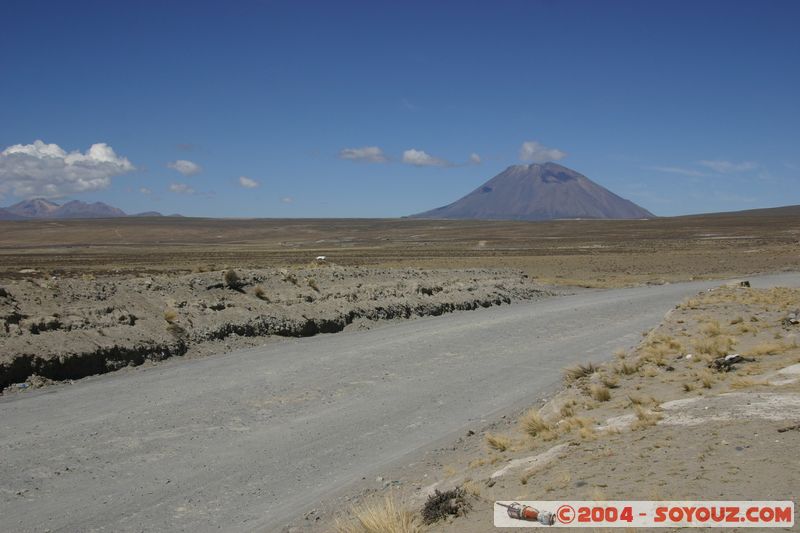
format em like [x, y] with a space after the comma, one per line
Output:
[252, 439]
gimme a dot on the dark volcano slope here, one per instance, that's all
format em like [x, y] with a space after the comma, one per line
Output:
[539, 192]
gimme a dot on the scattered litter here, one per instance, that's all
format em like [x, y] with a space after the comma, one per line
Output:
[689, 356]
[726, 364]
[791, 319]
[23, 385]
[441, 504]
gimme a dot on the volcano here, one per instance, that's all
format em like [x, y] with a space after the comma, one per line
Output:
[539, 192]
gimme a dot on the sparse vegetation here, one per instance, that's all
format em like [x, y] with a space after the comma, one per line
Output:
[711, 328]
[627, 368]
[313, 284]
[766, 348]
[600, 392]
[746, 383]
[535, 426]
[260, 293]
[232, 280]
[498, 442]
[707, 379]
[644, 418]
[714, 346]
[609, 381]
[170, 315]
[380, 516]
[576, 372]
[443, 504]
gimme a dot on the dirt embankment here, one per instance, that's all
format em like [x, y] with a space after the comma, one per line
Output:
[57, 329]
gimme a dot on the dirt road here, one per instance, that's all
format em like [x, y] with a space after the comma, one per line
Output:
[252, 439]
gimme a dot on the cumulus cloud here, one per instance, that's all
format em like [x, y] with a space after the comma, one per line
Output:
[727, 167]
[47, 170]
[534, 151]
[248, 183]
[185, 167]
[145, 190]
[287, 200]
[368, 154]
[474, 159]
[420, 158]
[180, 188]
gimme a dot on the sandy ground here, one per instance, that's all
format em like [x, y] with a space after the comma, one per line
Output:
[55, 328]
[656, 423]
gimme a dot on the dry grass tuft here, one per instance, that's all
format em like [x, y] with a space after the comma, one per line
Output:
[576, 422]
[534, 424]
[627, 368]
[609, 381]
[261, 294]
[498, 442]
[707, 380]
[471, 487]
[576, 372]
[170, 315]
[380, 516]
[711, 328]
[645, 418]
[313, 284]
[746, 383]
[714, 346]
[767, 348]
[600, 392]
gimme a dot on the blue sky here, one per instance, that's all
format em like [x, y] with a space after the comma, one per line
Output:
[382, 109]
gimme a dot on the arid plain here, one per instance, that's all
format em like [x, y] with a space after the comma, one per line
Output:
[592, 253]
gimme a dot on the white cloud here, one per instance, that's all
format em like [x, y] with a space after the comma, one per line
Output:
[369, 154]
[678, 170]
[185, 167]
[727, 167]
[474, 159]
[39, 169]
[145, 190]
[420, 158]
[409, 105]
[248, 183]
[180, 188]
[533, 151]
[287, 200]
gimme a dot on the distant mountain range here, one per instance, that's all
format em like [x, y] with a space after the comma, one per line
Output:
[38, 208]
[539, 192]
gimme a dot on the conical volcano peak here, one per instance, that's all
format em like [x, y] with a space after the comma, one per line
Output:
[539, 191]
